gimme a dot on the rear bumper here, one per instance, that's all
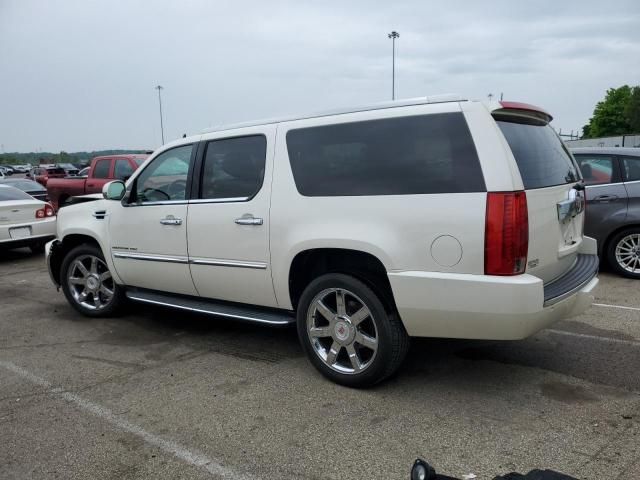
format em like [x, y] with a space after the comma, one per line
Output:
[41, 231]
[450, 305]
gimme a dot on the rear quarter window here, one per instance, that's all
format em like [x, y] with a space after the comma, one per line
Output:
[542, 158]
[396, 156]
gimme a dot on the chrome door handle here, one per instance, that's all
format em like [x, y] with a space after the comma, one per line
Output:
[171, 220]
[249, 220]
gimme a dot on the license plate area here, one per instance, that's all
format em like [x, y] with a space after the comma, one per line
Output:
[20, 232]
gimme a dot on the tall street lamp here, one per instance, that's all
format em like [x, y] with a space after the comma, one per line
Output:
[160, 87]
[393, 35]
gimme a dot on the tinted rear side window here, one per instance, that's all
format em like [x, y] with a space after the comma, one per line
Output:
[631, 167]
[541, 156]
[396, 156]
[234, 167]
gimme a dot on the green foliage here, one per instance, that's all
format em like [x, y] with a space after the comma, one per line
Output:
[617, 114]
[15, 158]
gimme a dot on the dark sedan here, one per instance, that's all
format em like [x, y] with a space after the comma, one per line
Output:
[612, 176]
[34, 189]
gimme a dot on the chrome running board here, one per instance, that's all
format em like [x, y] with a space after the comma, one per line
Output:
[245, 313]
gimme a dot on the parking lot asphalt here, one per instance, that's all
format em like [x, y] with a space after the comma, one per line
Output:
[162, 394]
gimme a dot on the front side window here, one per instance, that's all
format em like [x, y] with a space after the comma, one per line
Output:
[101, 169]
[165, 178]
[395, 156]
[233, 167]
[596, 169]
[631, 166]
[123, 169]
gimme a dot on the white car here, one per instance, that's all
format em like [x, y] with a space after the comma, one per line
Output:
[431, 217]
[24, 221]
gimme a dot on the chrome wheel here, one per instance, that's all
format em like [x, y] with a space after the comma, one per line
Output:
[628, 253]
[90, 282]
[342, 331]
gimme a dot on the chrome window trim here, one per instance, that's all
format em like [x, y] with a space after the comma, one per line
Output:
[220, 200]
[150, 258]
[227, 263]
[161, 202]
[603, 184]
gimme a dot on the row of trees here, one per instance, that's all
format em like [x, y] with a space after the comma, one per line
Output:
[617, 114]
[16, 158]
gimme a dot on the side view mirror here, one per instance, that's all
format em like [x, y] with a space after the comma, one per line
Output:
[114, 190]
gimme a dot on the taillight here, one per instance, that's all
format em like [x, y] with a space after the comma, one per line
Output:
[506, 234]
[46, 211]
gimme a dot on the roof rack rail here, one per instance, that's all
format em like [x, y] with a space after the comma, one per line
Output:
[445, 98]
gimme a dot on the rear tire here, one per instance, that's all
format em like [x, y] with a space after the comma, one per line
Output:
[87, 283]
[623, 253]
[346, 332]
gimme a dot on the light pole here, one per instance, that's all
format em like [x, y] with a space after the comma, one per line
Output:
[393, 35]
[160, 87]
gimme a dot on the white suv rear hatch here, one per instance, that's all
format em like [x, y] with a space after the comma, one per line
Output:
[550, 177]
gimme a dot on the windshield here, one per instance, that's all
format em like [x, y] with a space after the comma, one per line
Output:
[55, 171]
[67, 166]
[139, 161]
[541, 156]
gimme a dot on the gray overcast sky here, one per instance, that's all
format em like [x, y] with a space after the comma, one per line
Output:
[79, 75]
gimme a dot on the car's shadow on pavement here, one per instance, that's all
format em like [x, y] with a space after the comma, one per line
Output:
[17, 254]
[434, 359]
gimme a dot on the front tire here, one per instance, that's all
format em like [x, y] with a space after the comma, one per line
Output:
[87, 282]
[347, 333]
[623, 253]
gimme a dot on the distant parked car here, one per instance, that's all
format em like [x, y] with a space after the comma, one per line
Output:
[612, 177]
[84, 172]
[43, 174]
[6, 171]
[101, 171]
[24, 221]
[69, 168]
[31, 187]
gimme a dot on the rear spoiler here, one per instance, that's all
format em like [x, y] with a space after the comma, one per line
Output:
[526, 112]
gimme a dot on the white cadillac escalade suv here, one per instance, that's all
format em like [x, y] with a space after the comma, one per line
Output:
[431, 217]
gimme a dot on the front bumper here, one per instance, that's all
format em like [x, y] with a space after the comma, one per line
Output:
[433, 304]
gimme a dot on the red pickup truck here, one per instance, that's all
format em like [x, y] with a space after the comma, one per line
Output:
[102, 170]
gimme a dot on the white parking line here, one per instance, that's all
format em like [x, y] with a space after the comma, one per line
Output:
[605, 305]
[191, 457]
[634, 343]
